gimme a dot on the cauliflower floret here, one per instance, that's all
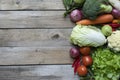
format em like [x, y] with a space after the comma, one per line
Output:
[114, 41]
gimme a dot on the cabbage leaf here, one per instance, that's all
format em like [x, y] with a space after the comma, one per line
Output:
[87, 36]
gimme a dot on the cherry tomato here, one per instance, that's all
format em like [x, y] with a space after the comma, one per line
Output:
[82, 70]
[85, 50]
[87, 60]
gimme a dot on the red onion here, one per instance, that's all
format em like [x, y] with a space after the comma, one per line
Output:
[116, 13]
[114, 25]
[75, 15]
[74, 53]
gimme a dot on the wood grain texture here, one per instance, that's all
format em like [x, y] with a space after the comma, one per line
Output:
[34, 19]
[34, 32]
[31, 5]
[40, 72]
[34, 37]
[34, 55]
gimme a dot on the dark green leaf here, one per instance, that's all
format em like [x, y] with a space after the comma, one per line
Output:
[91, 8]
[69, 6]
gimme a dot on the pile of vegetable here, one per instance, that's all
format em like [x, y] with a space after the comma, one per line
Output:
[95, 38]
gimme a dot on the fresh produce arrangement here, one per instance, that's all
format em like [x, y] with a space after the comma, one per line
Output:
[95, 38]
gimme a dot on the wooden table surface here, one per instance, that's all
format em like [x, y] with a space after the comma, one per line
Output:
[34, 41]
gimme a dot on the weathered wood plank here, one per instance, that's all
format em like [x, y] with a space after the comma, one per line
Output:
[31, 4]
[34, 19]
[42, 72]
[34, 37]
[34, 55]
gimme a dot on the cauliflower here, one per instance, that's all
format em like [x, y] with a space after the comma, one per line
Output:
[114, 41]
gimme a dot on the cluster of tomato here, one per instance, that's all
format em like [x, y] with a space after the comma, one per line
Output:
[82, 59]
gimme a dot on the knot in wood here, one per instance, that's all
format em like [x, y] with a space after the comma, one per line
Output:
[56, 36]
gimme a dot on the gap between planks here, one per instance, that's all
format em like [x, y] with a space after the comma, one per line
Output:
[35, 37]
[39, 72]
[34, 19]
[34, 55]
[31, 5]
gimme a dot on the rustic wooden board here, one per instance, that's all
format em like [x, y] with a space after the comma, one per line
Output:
[42, 72]
[31, 5]
[34, 19]
[34, 32]
[34, 55]
[34, 37]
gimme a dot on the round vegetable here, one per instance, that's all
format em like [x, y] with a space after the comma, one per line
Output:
[82, 70]
[87, 60]
[116, 13]
[75, 15]
[85, 50]
[74, 53]
[107, 30]
[114, 41]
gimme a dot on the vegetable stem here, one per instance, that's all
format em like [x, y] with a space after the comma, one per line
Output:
[68, 11]
[90, 72]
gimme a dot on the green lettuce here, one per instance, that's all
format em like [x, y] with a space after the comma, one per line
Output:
[106, 64]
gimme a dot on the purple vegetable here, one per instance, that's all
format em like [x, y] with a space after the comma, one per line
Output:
[74, 53]
[114, 25]
[116, 13]
[75, 15]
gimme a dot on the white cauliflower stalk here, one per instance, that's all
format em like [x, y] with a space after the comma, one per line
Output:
[114, 41]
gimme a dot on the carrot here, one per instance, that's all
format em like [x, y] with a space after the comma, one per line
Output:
[106, 18]
[116, 21]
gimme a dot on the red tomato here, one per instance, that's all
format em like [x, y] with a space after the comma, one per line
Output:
[82, 70]
[85, 50]
[87, 60]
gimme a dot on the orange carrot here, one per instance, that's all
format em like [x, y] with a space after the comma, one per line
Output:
[116, 21]
[106, 18]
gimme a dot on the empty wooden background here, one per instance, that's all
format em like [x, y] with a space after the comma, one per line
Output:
[34, 41]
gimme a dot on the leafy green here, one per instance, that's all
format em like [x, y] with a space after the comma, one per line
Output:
[83, 35]
[106, 64]
[79, 1]
[67, 4]
[92, 8]
[70, 5]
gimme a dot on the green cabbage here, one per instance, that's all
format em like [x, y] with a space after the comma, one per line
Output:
[87, 36]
